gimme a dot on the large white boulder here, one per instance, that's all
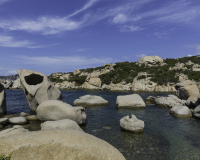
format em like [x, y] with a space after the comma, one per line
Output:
[14, 130]
[58, 145]
[38, 88]
[151, 59]
[90, 100]
[18, 120]
[7, 84]
[64, 124]
[132, 124]
[186, 88]
[95, 82]
[181, 112]
[54, 110]
[130, 101]
[3, 109]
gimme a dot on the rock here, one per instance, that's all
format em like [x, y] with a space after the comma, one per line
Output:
[32, 118]
[7, 84]
[95, 82]
[105, 87]
[38, 88]
[61, 125]
[1, 126]
[15, 130]
[181, 112]
[150, 100]
[196, 67]
[90, 100]
[54, 110]
[58, 145]
[150, 60]
[120, 86]
[10, 116]
[3, 109]
[185, 89]
[77, 72]
[197, 112]
[18, 120]
[130, 101]
[17, 84]
[1, 81]
[87, 85]
[23, 114]
[178, 66]
[193, 101]
[3, 121]
[68, 85]
[169, 102]
[132, 124]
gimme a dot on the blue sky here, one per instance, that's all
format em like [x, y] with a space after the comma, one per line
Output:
[60, 36]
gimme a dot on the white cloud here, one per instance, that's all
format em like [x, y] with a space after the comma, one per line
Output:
[65, 61]
[120, 18]
[3, 1]
[141, 55]
[11, 72]
[161, 34]
[189, 55]
[131, 28]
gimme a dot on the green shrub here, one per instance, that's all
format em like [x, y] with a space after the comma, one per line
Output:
[5, 158]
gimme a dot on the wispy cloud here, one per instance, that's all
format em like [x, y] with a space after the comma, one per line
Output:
[80, 50]
[140, 55]
[65, 61]
[189, 55]
[120, 18]
[3, 1]
[7, 71]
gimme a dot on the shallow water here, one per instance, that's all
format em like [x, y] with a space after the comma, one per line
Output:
[164, 137]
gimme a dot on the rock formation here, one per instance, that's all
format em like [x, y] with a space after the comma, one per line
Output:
[3, 109]
[152, 60]
[17, 84]
[38, 88]
[181, 112]
[54, 110]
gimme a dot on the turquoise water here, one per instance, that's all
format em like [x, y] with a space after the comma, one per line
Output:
[164, 137]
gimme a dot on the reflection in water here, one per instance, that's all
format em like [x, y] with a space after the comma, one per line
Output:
[164, 136]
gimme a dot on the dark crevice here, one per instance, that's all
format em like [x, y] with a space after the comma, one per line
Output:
[34, 79]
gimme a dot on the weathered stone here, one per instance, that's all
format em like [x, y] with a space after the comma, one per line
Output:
[132, 124]
[151, 59]
[57, 145]
[150, 100]
[10, 116]
[18, 120]
[32, 118]
[23, 114]
[3, 121]
[77, 72]
[38, 88]
[197, 112]
[90, 100]
[17, 84]
[95, 82]
[181, 112]
[3, 109]
[65, 124]
[54, 110]
[1, 126]
[185, 89]
[14, 130]
[87, 85]
[130, 101]
[193, 101]
[7, 84]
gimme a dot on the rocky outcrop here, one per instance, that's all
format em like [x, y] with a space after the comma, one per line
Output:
[150, 61]
[3, 109]
[181, 112]
[67, 85]
[7, 84]
[150, 100]
[193, 101]
[87, 85]
[196, 67]
[132, 124]
[65, 124]
[18, 120]
[185, 89]
[54, 110]
[38, 88]
[17, 84]
[76, 72]
[169, 102]
[178, 66]
[14, 130]
[197, 112]
[189, 63]
[57, 145]
[130, 101]
[3, 121]
[90, 100]
[122, 86]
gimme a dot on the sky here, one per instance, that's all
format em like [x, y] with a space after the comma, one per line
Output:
[60, 36]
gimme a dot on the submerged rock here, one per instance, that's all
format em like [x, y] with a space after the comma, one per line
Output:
[58, 145]
[38, 88]
[181, 112]
[23, 114]
[3, 121]
[130, 101]
[132, 124]
[18, 120]
[14, 130]
[3, 109]
[150, 100]
[54, 110]
[90, 100]
[65, 124]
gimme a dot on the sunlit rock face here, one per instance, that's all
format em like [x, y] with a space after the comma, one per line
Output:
[151, 60]
[38, 88]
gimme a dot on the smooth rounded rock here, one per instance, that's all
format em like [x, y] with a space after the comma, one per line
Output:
[181, 112]
[23, 114]
[130, 101]
[54, 110]
[3, 121]
[58, 145]
[65, 124]
[132, 124]
[32, 118]
[18, 120]
[90, 100]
